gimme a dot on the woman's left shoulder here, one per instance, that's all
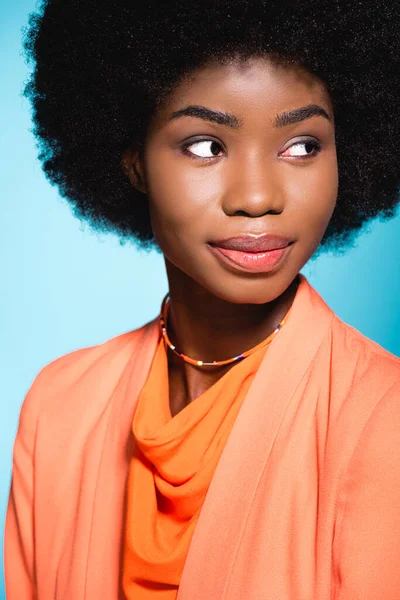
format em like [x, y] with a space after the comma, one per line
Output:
[372, 361]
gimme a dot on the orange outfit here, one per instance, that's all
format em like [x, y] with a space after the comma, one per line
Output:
[303, 503]
[171, 471]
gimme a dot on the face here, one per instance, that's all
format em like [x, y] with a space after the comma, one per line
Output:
[210, 178]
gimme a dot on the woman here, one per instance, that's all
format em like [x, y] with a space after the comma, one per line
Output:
[245, 443]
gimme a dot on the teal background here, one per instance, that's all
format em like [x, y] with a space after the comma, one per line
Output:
[64, 287]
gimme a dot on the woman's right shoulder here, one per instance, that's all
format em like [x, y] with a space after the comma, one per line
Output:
[89, 366]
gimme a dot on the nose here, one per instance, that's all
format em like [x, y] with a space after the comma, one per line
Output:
[253, 187]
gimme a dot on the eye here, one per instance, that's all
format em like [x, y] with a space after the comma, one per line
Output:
[205, 148]
[305, 149]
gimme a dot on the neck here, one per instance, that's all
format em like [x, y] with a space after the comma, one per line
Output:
[205, 327]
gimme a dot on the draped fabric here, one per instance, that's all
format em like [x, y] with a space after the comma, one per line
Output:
[170, 472]
[303, 503]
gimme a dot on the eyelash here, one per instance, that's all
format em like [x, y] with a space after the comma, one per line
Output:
[184, 147]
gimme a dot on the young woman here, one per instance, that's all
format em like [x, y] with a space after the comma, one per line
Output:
[245, 443]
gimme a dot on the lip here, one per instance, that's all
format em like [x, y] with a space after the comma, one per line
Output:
[253, 243]
[254, 262]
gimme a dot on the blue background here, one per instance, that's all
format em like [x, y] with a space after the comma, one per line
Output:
[64, 287]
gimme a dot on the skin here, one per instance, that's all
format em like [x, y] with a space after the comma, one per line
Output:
[256, 181]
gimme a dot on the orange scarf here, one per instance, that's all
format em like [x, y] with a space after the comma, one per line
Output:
[171, 470]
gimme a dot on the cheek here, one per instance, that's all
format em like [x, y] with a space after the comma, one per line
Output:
[180, 200]
[313, 195]
[325, 193]
[176, 220]
[177, 227]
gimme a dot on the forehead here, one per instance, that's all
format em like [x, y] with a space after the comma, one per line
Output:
[247, 87]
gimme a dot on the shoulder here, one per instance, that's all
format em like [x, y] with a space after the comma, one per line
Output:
[371, 410]
[81, 367]
[362, 377]
[367, 360]
[357, 341]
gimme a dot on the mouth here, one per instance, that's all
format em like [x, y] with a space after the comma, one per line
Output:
[251, 260]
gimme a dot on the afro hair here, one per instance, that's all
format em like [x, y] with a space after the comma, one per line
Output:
[101, 69]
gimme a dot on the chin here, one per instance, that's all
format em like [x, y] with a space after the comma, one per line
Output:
[254, 291]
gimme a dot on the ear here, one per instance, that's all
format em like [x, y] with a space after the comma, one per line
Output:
[132, 164]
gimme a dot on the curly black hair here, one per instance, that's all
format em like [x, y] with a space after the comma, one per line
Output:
[102, 69]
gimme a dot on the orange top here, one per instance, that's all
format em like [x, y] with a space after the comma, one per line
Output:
[171, 470]
[303, 503]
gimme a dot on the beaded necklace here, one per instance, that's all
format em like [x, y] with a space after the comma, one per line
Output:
[202, 363]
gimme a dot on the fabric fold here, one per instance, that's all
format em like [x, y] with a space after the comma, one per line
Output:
[171, 469]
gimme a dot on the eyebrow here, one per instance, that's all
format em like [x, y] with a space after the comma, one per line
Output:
[223, 118]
